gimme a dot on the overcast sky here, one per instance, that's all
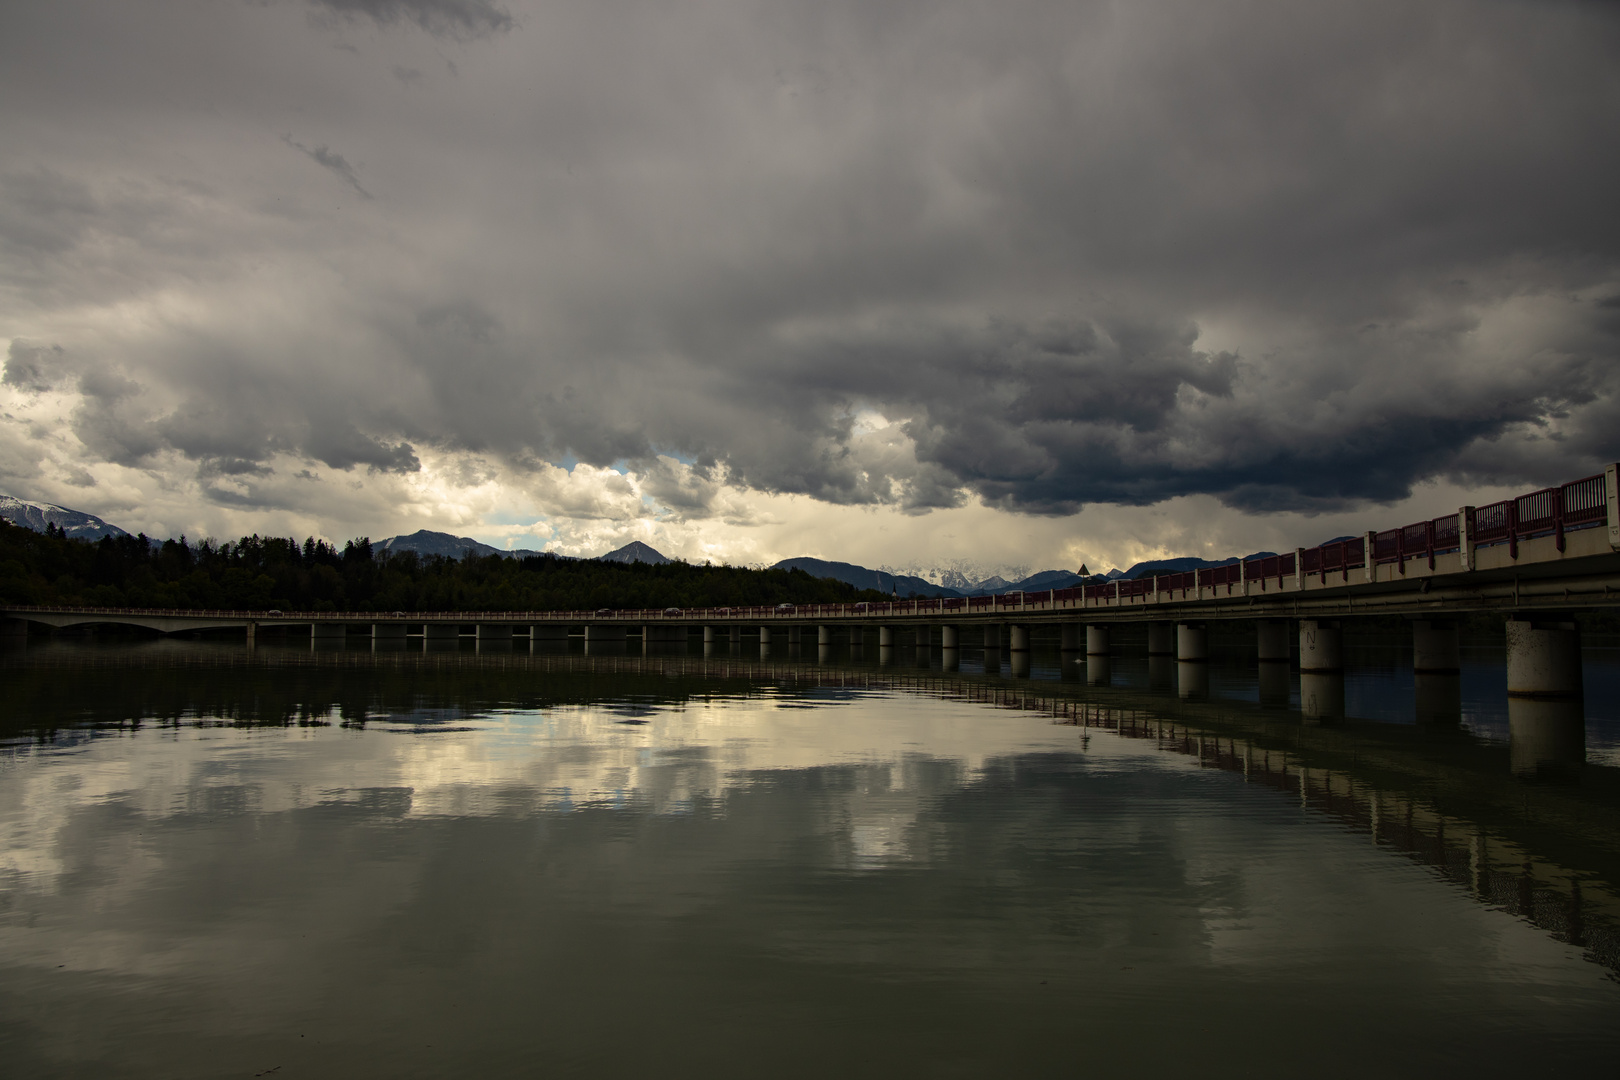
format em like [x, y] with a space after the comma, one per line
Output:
[923, 284]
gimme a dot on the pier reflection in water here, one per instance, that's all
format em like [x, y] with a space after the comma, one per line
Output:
[485, 860]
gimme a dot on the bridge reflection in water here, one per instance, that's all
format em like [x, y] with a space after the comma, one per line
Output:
[1530, 827]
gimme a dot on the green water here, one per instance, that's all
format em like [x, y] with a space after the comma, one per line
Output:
[215, 863]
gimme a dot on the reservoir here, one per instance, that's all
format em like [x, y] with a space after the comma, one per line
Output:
[301, 861]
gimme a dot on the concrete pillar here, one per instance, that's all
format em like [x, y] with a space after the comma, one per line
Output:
[1019, 662]
[708, 649]
[885, 636]
[499, 631]
[1161, 639]
[252, 634]
[824, 634]
[1321, 695]
[1020, 638]
[1192, 643]
[823, 654]
[1161, 672]
[441, 631]
[1543, 657]
[992, 635]
[1271, 641]
[1276, 685]
[764, 635]
[1545, 734]
[1099, 669]
[1437, 698]
[1192, 680]
[328, 630]
[708, 635]
[950, 637]
[1096, 641]
[1435, 647]
[1320, 647]
[1073, 637]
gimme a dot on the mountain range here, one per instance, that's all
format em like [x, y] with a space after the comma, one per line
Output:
[82, 526]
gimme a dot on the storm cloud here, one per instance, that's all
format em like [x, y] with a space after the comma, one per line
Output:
[910, 256]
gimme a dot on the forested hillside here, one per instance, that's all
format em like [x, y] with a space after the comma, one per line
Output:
[263, 573]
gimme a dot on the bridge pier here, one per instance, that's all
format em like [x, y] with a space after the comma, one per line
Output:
[1096, 641]
[1437, 697]
[1192, 680]
[708, 635]
[764, 635]
[1321, 695]
[1019, 662]
[950, 637]
[885, 637]
[1271, 641]
[1544, 657]
[1192, 643]
[1320, 650]
[824, 634]
[1020, 637]
[1545, 733]
[1099, 669]
[1161, 639]
[1436, 648]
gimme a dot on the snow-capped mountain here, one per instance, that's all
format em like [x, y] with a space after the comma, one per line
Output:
[75, 523]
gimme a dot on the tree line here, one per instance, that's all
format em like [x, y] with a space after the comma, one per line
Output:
[263, 573]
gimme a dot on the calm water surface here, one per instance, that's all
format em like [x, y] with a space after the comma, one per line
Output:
[293, 863]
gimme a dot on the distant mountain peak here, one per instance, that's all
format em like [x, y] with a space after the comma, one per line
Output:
[75, 524]
[633, 552]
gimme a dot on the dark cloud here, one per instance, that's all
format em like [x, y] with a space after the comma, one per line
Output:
[1042, 254]
[332, 161]
[460, 19]
[33, 367]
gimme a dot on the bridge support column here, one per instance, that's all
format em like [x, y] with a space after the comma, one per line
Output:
[1096, 642]
[327, 631]
[1099, 669]
[252, 633]
[441, 631]
[885, 636]
[1436, 649]
[950, 637]
[1192, 680]
[1161, 639]
[1545, 734]
[1320, 650]
[1321, 695]
[1271, 641]
[824, 634]
[1073, 637]
[1020, 638]
[708, 635]
[1192, 643]
[387, 631]
[1019, 662]
[1544, 658]
[764, 635]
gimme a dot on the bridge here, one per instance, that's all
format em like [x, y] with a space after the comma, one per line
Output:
[1537, 559]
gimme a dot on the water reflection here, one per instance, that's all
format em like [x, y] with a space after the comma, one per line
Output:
[439, 863]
